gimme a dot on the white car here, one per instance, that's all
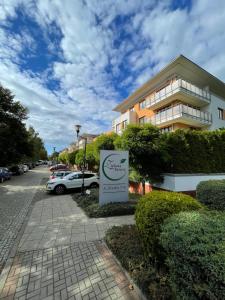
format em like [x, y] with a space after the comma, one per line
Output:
[72, 181]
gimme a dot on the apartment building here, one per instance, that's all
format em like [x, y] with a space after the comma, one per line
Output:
[182, 95]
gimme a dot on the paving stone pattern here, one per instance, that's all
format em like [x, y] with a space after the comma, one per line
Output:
[77, 271]
[59, 221]
[15, 200]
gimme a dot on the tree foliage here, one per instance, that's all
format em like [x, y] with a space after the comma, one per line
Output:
[103, 142]
[191, 151]
[37, 145]
[143, 144]
[16, 143]
[90, 158]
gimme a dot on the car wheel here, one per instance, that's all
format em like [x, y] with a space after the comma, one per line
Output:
[93, 185]
[60, 189]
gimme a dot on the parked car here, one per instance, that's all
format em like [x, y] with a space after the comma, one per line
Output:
[5, 174]
[72, 181]
[59, 174]
[59, 167]
[25, 168]
[17, 170]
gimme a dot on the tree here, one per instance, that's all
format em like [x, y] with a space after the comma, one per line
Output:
[14, 142]
[71, 157]
[37, 145]
[145, 153]
[90, 158]
[63, 157]
[103, 142]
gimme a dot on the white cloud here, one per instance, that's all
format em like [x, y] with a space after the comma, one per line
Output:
[92, 55]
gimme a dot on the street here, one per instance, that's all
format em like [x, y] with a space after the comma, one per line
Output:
[53, 250]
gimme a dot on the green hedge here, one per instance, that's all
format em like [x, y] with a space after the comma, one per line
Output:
[153, 208]
[191, 151]
[195, 246]
[212, 193]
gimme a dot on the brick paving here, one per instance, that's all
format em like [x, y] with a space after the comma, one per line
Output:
[59, 221]
[16, 197]
[61, 256]
[81, 270]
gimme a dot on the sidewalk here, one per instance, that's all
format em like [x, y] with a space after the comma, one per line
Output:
[61, 256]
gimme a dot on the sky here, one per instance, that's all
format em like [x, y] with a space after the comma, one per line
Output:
[72, 61]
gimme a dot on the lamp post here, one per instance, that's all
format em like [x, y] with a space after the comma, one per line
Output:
[54, 154]
[77, 128]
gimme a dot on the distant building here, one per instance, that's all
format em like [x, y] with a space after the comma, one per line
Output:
[89, 137]
[182, 95]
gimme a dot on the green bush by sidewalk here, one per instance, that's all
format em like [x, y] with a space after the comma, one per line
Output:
[212, 194]
[90, 204]
[195, 246]
[125, 243]
[152, 209]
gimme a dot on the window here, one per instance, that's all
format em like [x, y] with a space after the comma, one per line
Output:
[88, 175]
[220, 113]
[124, 124]
[143, 104]
[166, 129]
[142, 120]
[117, 128]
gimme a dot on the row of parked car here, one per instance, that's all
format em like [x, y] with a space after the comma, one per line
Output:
[7, 173]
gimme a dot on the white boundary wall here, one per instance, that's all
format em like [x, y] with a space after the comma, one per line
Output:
[186, 182]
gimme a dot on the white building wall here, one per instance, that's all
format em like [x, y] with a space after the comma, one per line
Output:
[216, 102]
[185, 182]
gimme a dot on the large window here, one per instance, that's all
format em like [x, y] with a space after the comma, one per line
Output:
[143, 104]
[221, 113]
[117, 128]
[142, 120]
[124, 124]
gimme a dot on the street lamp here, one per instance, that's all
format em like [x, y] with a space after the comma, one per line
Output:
[54, 154]
[77, 128]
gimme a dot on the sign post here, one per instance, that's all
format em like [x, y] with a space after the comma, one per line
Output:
[114, 169]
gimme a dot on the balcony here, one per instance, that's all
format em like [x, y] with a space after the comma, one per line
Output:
[182, 114]
[179, 90]
[120, 123]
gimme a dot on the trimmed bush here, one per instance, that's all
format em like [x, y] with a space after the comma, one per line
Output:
[195, 246]
[212, 193]
[90, 204]
[153, 208]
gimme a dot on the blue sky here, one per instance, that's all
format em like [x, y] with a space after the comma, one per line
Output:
[72, 61]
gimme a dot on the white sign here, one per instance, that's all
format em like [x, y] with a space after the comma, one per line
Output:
[114, 169]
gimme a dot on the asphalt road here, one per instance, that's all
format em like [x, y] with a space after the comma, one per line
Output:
[15, 199]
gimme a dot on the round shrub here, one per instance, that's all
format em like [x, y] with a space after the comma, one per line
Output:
[212, 193]
[153, 208]
[195, 246]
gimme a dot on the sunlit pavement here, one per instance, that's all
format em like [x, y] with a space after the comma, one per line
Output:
[61, 256]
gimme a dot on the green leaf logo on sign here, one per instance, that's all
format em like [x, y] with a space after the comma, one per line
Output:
[113, 168]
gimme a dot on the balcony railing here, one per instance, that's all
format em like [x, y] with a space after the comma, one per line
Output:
[176, 86]
[179, 111]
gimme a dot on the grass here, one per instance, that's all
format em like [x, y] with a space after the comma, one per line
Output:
[125, 243]
[90, 204]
